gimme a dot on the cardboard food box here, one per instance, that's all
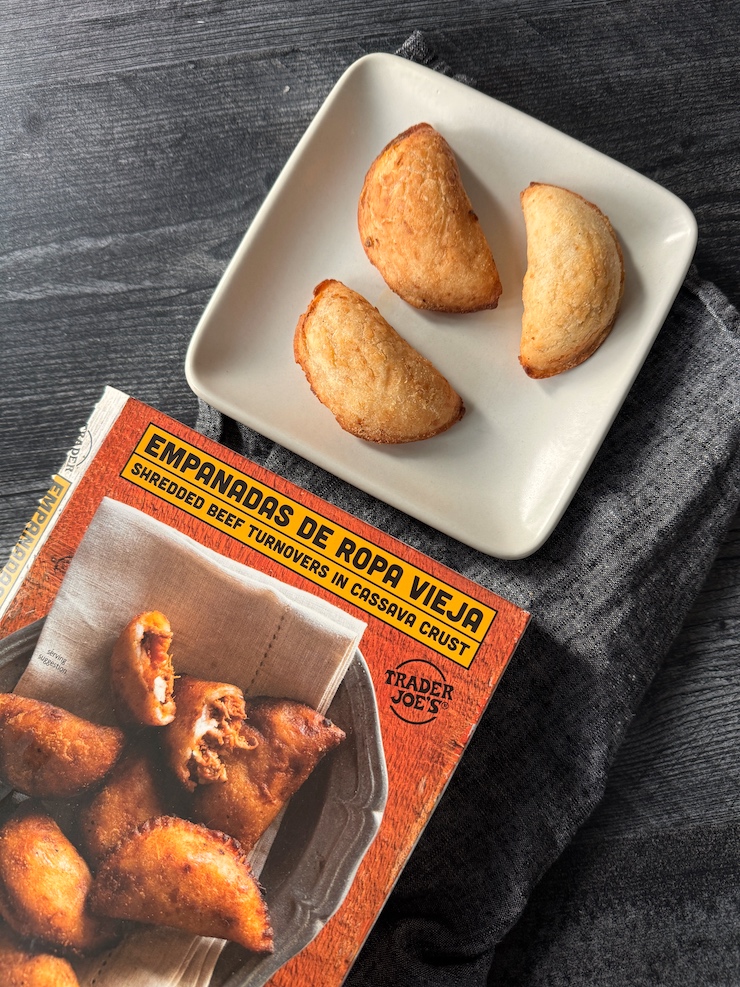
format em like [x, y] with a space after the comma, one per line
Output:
[271, 589]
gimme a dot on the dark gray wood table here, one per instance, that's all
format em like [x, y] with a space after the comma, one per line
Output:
[138, 138]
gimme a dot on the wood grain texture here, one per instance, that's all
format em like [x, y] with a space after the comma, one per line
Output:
[139, 138]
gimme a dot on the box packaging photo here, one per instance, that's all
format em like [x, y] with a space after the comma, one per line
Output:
[295, 605]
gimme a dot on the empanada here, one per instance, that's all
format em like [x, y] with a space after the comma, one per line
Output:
[292, 738]
[176, 873]
[142, 676]
[377, 386]
[418, 227]
[574, 280]
[44, 884]
[135, 790]
[47, 752]
[208, 723]
[22, 967]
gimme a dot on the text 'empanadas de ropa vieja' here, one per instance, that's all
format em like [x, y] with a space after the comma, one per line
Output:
[574, 280]
[418, 227]
[377, 386]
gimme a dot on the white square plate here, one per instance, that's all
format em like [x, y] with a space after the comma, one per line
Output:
[500, 479]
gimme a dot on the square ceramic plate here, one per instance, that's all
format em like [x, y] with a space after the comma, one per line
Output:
[500, 479]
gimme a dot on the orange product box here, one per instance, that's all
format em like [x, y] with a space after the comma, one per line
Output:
[360, 669]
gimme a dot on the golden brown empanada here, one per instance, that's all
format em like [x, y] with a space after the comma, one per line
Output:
[142, 676]
[376, 385]
[208, 722]
[47, 752]
[176, 873]
[22, 967]
[574, 280]
[418, 227]
[291, 740]
[135, 790]
[44, 884]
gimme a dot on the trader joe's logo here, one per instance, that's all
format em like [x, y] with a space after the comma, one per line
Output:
[418, 689]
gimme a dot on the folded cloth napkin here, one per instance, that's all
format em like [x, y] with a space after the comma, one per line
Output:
[297, 646]
[153, 957]
[608, 593]
[230, 623]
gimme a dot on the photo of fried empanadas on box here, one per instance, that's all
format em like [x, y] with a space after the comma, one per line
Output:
[574, 280]
[419, 229]
[377, 386]
[20, 966]
[176, 873]
[142, 675]
[292, 739]
[136, 790]
[44, 883]
[208, 723]
[47, 752]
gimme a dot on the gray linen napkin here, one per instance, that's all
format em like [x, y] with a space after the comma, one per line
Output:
[608, 593]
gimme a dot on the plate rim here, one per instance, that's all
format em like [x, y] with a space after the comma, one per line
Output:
[528, 543]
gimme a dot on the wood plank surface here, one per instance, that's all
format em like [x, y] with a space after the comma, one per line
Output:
[138, 139]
